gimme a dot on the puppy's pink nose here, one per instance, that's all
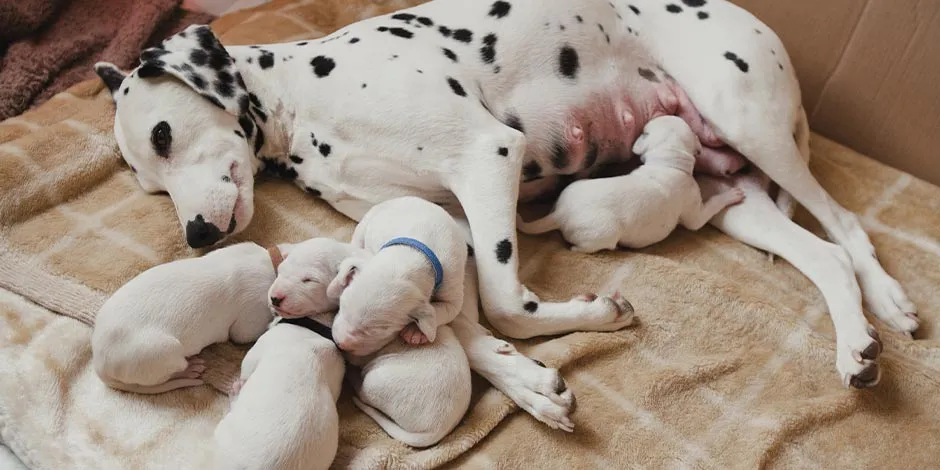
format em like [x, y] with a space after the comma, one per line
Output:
[347, 344]
[276, 300]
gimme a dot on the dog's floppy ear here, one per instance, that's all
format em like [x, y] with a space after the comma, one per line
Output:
[426, 320]
[285, 249]
[347, 271]
[196, 57]
[110, 75]
[640, 147]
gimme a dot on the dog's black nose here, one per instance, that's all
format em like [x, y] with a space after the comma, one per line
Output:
[276, 301]
[200, 233]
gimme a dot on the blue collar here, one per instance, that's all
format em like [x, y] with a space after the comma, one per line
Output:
[428, 253]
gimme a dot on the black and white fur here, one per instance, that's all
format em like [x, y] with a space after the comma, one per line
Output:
[457, 102]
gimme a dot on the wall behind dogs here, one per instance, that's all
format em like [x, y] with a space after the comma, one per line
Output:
[869, 73]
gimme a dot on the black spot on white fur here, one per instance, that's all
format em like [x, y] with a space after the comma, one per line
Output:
[504, 251]
[514, 122]
[456, 87]
[312, 192]
[568, 62]
[500, 9]
[702, 15]
[322, 65]
[325, 149]
[739, 62]
[648, 74]
[296, 159]
[634, 9]
[463, 35]
[266, 60]
[396, 31]
[673, 8]
[449, 54]
[531, 307]
[488, 51]
[694, 3]
[503, 151]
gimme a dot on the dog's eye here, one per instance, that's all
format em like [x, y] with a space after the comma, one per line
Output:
[306, 280]
[161, 139]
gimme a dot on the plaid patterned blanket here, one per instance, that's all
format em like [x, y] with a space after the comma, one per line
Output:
[731, 365]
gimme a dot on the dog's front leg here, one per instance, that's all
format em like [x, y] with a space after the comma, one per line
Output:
[485, 180]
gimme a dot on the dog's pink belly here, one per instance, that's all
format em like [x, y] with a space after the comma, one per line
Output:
[602, 131]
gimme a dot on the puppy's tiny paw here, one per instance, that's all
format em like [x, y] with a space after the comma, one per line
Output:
[735, 196]
[412, 335]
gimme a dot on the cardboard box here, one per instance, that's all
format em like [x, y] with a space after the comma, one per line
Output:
[870, 73]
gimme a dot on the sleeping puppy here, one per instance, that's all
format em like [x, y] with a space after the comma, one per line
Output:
[147, 333]
[412, 283]
[283, 414]
[300, 289]
[643, 207]
[417, 394]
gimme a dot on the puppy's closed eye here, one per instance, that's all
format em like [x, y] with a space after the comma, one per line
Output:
[306, 280]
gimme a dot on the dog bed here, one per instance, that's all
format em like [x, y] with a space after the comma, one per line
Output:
[731, 364]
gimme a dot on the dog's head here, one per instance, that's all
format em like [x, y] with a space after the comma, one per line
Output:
[300, 289]
[667, 132]
[183, 125]
[374, 307]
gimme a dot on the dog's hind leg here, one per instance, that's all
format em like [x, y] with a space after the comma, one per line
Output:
[778, 155]
[757, 222]
[485, 179]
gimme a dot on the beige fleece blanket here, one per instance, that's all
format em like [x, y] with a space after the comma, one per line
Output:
[731, 365]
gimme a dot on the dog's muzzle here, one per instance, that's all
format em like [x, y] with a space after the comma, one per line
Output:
[200, 234]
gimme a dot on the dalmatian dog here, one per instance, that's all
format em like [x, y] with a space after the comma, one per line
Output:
[479, 105]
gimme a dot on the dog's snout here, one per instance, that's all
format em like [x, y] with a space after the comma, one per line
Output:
[346, 344]
[200, 233]
[276, 300]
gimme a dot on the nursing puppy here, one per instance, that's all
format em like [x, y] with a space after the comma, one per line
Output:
[283, 416]
[308, 267]
[147, 333]
[643, 207]
[412, 283]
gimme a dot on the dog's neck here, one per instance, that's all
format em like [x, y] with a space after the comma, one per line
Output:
[406, 262]
[670, 157]
[274, 117]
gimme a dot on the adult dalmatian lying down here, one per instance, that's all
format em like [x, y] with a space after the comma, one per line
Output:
[479, 105]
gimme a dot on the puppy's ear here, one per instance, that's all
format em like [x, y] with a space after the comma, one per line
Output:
[110, 75]
[426, 320]
[347, 271]
[640, 147]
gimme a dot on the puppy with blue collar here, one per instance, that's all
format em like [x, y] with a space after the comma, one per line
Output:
[412, 283]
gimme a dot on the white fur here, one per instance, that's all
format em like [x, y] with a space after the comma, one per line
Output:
[417, 394]
[305, 273]
[147, 333]
[643, 207]
[283, 416]
[384, 293]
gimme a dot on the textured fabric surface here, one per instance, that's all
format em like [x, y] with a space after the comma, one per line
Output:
[47, 46]
[731, 364]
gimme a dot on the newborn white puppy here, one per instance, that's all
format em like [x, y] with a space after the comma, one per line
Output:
[417, 394]
[283, 416]
[300, 289]
[414, 278]
[146, 334]
[643, 207]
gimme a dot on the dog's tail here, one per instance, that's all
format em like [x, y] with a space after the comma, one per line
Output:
[535, 227]
[413, 439]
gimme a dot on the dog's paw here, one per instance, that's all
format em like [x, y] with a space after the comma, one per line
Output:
[733, 196]
[886, 300]
[618, 309]
[413, 336]
[542, 393]
[856, 359]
